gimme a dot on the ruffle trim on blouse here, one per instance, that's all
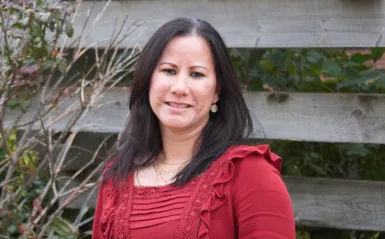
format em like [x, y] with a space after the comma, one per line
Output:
[109, 209]
[217, 196]
[108, 214]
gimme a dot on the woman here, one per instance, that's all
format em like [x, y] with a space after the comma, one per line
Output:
[181, 170]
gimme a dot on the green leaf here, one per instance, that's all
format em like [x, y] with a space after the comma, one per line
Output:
[62, 65]
[13, 103]
[302, 234]
[313, 57]
[63, 227]
[318, 169]
[369, 75]
[291, 68]
[47, 65]
[267, 65]
[347, 83]
[331, 68]
[69, 30]
[361, 78]
[313, 70]
[355, 149]
[275, 55]
[360, 58]
[381, 81]
[17, 25]
[377, 53]
[38, 52]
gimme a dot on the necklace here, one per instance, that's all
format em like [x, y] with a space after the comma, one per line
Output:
[159, 175]
[166, 173]
[137, 179]
[163, 174]
[164, 162]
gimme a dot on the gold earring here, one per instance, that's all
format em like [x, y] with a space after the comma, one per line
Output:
[214, 108]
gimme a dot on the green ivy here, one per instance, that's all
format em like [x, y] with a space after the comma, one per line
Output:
[309, 70]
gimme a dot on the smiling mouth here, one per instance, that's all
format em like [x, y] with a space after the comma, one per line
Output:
[176, 105]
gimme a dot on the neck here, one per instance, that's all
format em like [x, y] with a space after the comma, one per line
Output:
[179, 147]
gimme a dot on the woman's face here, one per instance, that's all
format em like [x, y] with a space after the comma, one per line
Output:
[183, 84]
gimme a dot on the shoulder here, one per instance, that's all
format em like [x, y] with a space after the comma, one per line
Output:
[247, 172]
[254, 158]
[258, 194]
[249, 178]
[255, 165]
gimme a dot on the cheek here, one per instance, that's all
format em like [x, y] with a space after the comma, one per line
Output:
[158, 88]
[209, 92]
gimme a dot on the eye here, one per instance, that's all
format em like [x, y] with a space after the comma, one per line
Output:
[169, 71]
[197, 74]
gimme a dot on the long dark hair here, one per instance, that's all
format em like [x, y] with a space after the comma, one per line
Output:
[141, 141]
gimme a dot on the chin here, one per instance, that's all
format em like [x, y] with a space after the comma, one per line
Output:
[175, 124]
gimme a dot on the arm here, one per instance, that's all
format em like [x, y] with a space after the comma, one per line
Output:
[96, 227]
[262, 204]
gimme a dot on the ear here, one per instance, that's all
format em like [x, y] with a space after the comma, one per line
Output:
[216, 96]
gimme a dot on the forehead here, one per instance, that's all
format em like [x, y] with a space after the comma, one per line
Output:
[188, 48]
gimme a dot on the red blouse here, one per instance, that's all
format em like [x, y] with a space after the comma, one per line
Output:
[240, 196]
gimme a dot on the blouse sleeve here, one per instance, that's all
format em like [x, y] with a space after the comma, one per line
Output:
[262, 204]
[104, 210]
[96, 228]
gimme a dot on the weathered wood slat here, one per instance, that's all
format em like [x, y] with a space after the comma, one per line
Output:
[328, 203]
[250, 23]
[356, 118]
[342, 204]
[326, 117]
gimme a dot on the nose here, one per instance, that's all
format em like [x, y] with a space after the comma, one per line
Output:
[180, 85]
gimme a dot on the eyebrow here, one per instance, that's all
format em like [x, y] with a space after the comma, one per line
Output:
[175, 66]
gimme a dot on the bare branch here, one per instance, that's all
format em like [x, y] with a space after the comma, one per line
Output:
[72, 197]
[48, 135]
[84, 208]
[88, 220]
[6, 44]
[87, 165]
